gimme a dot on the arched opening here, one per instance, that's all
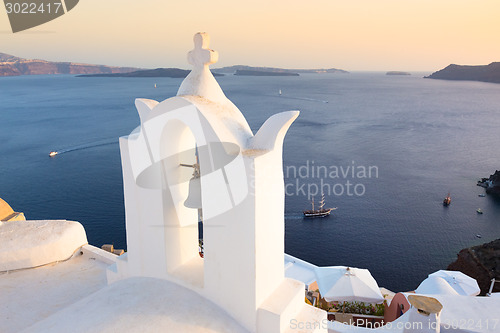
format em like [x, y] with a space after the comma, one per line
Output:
[179, 163]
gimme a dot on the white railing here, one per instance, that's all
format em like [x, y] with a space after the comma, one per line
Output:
[491, 286]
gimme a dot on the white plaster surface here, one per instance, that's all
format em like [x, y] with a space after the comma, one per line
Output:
[469, 313]
[299, 270]
[26, 244]
[30, 295]
[200, 82]
[140, 305]
[242, 191]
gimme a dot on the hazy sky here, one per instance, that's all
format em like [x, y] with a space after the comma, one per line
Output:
[413, 35]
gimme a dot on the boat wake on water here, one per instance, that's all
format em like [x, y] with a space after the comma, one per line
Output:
[308, 99]
[301, 98]
[293, 217]
[83, 146]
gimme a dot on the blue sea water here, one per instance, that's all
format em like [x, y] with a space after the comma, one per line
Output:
[424, 138]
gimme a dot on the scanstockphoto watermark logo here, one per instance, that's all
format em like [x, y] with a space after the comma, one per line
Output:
[413, 326]
[311, 179]
[26, 14]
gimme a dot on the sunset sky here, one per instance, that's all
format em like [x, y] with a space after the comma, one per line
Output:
[411, 35]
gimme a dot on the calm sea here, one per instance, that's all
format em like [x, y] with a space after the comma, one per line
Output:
[419, 138]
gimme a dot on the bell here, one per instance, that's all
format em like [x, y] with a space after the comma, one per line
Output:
[194, 197]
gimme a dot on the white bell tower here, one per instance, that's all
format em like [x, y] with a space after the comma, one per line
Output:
[241, 185]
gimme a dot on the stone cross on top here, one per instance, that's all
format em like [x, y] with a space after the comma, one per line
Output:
[201, 55]
[200, 82]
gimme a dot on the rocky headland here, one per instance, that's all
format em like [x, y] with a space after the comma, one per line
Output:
[484, 73]
[15, 66]
[481, 262]
[492, 184]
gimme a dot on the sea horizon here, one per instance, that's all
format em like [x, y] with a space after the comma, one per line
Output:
[426, 138]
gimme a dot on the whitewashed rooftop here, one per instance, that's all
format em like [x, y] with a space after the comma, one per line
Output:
[71, 294]
[28, 296]
[299, 270]
[139, 305]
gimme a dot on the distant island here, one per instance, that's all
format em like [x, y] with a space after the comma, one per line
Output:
[484, 73]
[481, 262]
[235, 69]
[158, 72]
[14, 66]
[397, 73]
[245, 72]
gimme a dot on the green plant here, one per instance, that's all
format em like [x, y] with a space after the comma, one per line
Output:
[359, 308]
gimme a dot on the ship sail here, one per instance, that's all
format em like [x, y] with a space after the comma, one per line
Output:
[322, 202]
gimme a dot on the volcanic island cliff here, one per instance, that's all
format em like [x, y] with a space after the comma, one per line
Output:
[483, 73]
[481, 262]
[14, 66]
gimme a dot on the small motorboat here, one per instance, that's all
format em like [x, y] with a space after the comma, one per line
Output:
[479, 236]
[479, 211]
[53, 153]
[482, 195]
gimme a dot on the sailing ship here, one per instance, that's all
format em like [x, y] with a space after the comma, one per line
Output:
[447, 200]
[321, 211]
